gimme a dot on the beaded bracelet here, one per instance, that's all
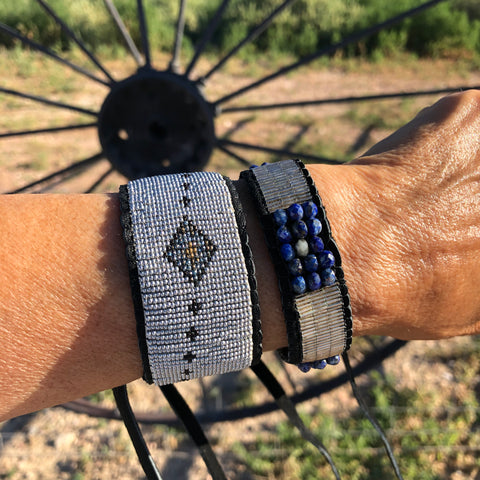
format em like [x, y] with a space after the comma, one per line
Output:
[314, 295]
[192, 276]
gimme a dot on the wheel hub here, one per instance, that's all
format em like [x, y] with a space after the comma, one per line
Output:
[154, 123]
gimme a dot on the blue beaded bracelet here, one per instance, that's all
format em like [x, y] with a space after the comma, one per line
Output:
[313, 291]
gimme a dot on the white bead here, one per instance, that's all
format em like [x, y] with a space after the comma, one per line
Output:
[301, 247]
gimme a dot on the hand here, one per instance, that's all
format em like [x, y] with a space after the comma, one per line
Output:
[410, 231]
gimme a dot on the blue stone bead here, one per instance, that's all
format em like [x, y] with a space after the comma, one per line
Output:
[299, 229]
[287, 252]
[298, 285]
[305, 367]
[310, 210]
[311, 263]
[314, 226]
[316, 244]
[319, 364]
[335, 360]
[284, 234]
[328, 277]
[280, 217]
[314, 282]
[253, 166]
[295, 267]
[326, 259]
[264, 163]
[295, 212]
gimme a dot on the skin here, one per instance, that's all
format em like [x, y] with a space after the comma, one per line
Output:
[406, 217]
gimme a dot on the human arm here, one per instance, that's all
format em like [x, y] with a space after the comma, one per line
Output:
[67, 326]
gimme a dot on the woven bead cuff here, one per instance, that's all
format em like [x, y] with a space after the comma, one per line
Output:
[192, 276]
[314, 294]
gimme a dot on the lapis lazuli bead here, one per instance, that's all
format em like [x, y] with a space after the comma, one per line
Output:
[298, 285]
[299, 229]
[326, 259]
[311, 263]
[314, 226]
[328, 277]
[335, 360]
[316, 244]
[295, 212]
[319, 364]
[253, 166]
[301, 247]
[295, 267]
[305, 367]
[280, 217]
[310, 210]
[284, 234]
[313, 281]
[287, 252]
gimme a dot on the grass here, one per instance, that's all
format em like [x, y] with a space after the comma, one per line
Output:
[434, 433]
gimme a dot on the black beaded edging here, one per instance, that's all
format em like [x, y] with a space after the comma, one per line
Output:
[126, 221]
[247, 253]
[294, 352]
[331, 245]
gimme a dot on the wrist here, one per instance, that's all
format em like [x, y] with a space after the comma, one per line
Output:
[350, 204]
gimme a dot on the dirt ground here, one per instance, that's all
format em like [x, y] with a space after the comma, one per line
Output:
[60, 444]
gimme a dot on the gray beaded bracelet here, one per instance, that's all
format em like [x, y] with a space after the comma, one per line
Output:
[192, 276]
[314, 294]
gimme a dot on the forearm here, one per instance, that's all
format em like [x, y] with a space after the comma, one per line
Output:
[67, 323]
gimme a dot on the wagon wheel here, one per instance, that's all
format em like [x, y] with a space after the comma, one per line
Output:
[165, 120]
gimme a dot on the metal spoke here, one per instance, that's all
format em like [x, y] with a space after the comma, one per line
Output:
[100, 179]
[46, 51]
[21, 133]
[72, 35]
[47, 101]
[235, 156]
[71, 168]
[175, 62]
[123, 30]
[260, 28]
[144, 32]
[276, 151]
[207, 36]
[329, 50]
[362, 98]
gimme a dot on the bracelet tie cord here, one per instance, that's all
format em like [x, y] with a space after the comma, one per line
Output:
[191, 275]
[314, 294]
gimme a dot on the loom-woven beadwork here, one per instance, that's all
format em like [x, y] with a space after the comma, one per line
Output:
[199, 305]
[316, 305]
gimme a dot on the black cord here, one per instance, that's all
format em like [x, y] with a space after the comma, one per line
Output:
[370, 417]
[284, 402]
[194, 429]
[144, 456]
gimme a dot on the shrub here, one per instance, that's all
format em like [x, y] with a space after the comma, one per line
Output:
[303, 27]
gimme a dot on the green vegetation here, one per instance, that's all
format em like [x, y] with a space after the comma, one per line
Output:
[433, 433]
[452, 28]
